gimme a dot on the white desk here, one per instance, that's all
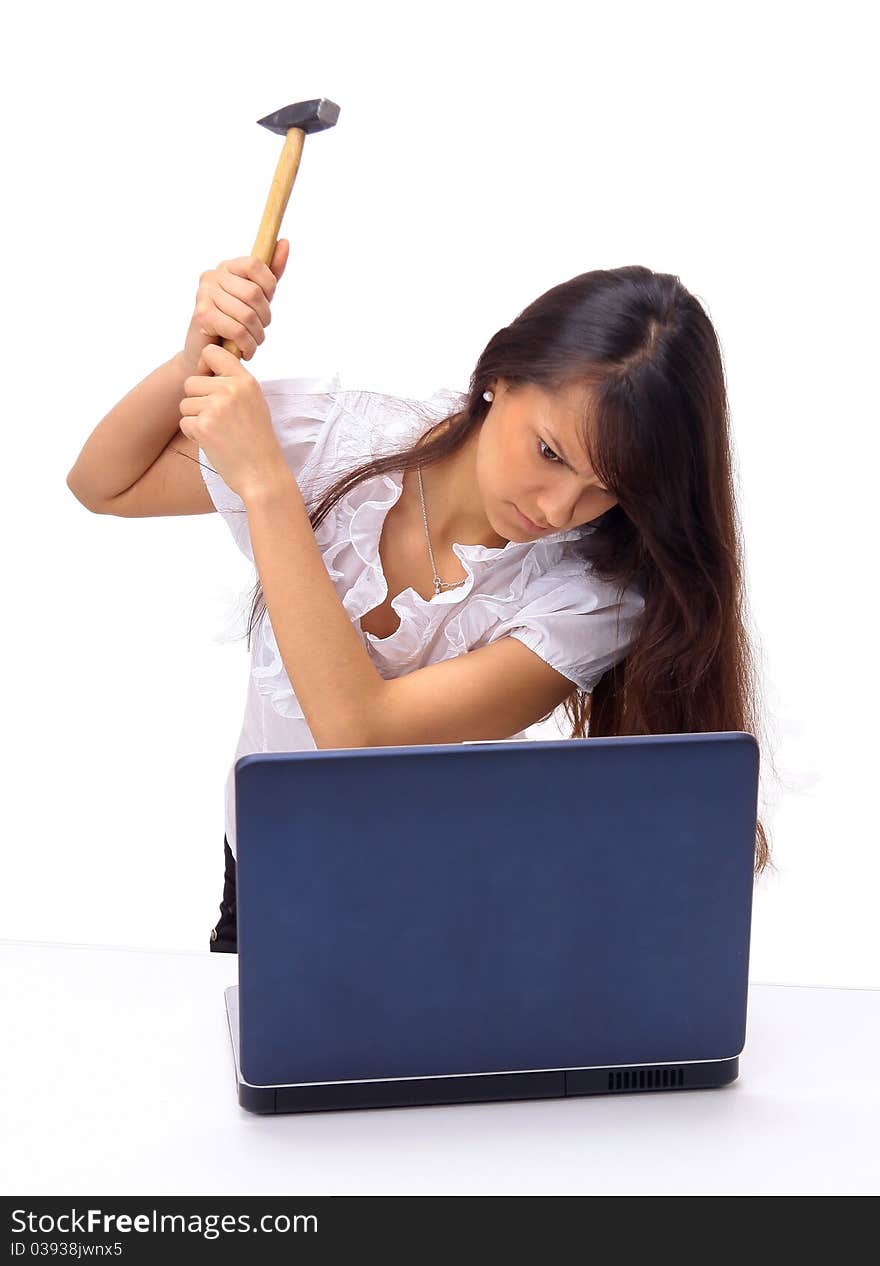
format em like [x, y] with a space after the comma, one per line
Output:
[117, 1079]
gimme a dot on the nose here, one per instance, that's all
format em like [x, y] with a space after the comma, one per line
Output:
[558, 511]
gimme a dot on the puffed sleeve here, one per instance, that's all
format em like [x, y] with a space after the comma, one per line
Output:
[299, 408]
[578, 624]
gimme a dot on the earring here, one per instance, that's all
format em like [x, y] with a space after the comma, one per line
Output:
[488, 395]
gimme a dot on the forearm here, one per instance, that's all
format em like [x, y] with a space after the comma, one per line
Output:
[329, 668]
[127, 441]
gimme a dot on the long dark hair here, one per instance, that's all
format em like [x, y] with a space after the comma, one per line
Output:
[659, 439]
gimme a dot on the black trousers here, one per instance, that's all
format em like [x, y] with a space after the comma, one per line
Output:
[224, 937]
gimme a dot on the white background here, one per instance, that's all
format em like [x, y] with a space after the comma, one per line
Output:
[484, 152]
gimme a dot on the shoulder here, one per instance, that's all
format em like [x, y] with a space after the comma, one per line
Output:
[563, 578]
[578, 622]
[365, 425]
[387, 422]
[385, 419]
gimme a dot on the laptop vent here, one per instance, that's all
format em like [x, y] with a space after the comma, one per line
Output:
[646, 1079]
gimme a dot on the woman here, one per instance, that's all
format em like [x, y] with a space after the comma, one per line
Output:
[599, 412]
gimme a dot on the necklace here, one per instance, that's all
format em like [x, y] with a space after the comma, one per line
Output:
[438, 583]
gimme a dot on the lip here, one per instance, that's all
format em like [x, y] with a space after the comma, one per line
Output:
[527, 523]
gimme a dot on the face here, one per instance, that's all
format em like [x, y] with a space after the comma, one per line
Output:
[530, 461]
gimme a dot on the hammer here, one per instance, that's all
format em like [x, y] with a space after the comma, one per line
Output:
[292, 122]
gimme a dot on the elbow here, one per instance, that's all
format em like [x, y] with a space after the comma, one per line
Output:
[340, 739]
[71, 484]
[358, 728]
[92, 506]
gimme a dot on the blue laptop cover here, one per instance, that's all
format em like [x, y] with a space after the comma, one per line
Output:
[425, 915]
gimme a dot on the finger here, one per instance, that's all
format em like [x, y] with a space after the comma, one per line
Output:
[280, 257]
[235, 328]
[241, 311]
[221, 362]
[198, 385]
[252, 269]
[249, 292]
[192, 406]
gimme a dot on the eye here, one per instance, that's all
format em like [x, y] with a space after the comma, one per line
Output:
[542, 446]
[548, 454]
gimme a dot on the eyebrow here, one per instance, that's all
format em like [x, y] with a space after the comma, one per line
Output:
[555, 446]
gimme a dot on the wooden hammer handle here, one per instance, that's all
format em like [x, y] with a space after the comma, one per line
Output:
[276, 203]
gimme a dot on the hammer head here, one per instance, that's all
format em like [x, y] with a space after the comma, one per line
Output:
[310, 116]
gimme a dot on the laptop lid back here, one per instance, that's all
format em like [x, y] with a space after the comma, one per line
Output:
[451, 909]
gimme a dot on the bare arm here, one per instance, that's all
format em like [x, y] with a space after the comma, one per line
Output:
[127, 441]
[324, 657]
[488, 693]
[232, 302]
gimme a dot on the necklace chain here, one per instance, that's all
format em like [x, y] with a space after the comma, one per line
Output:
[438, 583]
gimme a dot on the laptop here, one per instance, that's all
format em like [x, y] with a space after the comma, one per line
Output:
[482, 921]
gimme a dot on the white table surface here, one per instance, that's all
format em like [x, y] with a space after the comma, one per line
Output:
[117, 1079]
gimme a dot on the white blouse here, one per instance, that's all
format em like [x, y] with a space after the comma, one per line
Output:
[539, 592]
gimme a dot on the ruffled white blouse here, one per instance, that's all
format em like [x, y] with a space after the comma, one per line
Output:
[539, 592]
